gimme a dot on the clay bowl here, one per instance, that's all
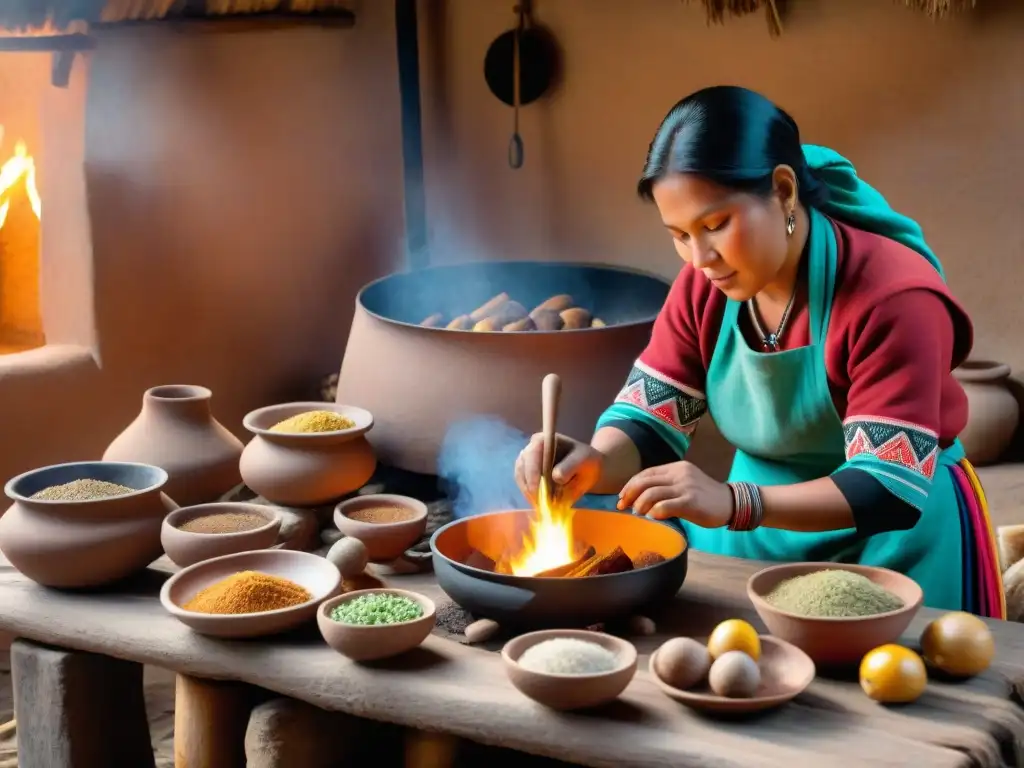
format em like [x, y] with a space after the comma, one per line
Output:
[566, 692]
[786, 671]
[307, 469]
[88, 543]
[187, 547]
[377, 641]
[385, 542]
[547, 602]
[313, 572]
[835, 641]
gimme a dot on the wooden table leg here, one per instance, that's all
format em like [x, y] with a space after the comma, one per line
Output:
[77, 709]
[210, 718]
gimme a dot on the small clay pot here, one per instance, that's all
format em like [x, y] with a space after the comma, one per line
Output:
[308, 469]
[385, 542]
[566, 692]
[176, 431]
[993, 411]
[376, 641]
[88, 543]
[187, 547]
[835, 641]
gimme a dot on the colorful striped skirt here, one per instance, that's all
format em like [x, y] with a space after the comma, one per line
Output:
[983, 592]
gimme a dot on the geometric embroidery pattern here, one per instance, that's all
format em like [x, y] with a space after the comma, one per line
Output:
[669, 401]
[893, 441]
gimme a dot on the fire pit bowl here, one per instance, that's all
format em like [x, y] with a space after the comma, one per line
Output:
[418, 380]
[540, 602]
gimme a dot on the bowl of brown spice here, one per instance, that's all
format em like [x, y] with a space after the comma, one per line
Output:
[386, 523]
[250, 594]
[204, 531]
[834, 612]
[306, 454]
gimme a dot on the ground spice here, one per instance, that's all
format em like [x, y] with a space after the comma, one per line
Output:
[85, 489]
[833, 593]
[224, 522]
[452, 617]
[314, 421]
[379, 608]
[248, 592]
[381, 514]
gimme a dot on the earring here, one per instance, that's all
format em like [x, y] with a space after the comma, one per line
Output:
[791, 224]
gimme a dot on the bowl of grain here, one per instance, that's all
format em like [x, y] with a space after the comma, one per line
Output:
[569, 668]
[373, 624]
[204, 531]
[307, 454]
[250, 594]
[84, 524]
[834, 612]
[386, 523]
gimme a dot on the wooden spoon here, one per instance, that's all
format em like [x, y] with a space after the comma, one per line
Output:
[551, 393]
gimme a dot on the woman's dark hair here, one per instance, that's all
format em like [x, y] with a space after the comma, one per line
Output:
[732, 136]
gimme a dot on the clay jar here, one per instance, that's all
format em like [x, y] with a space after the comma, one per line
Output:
[176, 431]
[311, 468]
[993, 411]
[85, 543]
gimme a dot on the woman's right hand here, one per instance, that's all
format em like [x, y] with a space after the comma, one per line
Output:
[577, 467]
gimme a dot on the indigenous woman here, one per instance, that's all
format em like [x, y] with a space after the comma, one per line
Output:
[813, 322]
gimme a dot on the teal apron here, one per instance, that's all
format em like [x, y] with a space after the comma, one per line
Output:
[777, 411]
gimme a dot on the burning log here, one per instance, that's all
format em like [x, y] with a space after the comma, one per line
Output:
[564, 570]
[508, 312]
[559, 303]
[615, 561]
[546, 320]
[501, 313]
[488, 308]
[575, 318]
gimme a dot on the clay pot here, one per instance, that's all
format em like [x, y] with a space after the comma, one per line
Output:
[184, 548]
[384, 542]
[308, 469]
[993, 411]
[176, 431]
[85, 543]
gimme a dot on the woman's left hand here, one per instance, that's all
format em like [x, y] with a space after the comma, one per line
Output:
[678, 490]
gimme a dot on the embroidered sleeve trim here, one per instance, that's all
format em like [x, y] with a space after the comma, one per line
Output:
[667, 400]
[907, 445]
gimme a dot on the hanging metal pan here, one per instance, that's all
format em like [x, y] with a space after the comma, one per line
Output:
[538, 65]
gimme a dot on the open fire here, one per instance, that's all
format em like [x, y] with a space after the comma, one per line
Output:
[20, 167]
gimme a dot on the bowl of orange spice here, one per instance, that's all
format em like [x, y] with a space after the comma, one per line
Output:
[386, 523]
[250, 594]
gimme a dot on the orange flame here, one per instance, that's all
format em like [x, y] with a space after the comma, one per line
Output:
[20, 166]
[549, 541]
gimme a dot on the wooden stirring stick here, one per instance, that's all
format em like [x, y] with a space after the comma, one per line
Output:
[551, 393]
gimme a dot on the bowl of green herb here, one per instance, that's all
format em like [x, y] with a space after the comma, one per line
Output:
[834, 612]
[371, 624]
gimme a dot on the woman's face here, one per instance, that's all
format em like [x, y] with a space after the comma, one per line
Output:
[738, 240]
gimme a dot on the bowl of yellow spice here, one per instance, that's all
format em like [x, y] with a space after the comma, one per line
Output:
[250, 594]
[834, 612]
[307, 454]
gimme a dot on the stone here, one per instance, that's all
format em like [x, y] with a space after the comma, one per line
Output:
[300, 529]
[286, 733]
[330, 536]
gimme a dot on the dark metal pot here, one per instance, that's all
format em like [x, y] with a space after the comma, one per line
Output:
[558, 602]
[418, 381]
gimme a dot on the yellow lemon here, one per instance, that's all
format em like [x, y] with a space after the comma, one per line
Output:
[734, 635]
[958, 644]
[893, 674]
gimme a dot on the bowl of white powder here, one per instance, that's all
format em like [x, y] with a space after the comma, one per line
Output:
[569, 668]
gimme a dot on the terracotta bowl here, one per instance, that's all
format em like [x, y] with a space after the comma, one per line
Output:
[88, 543]
[378, 641]
[313, 572]
[835, 641]
[187, 547]
[384, 542]
[308, 469]
[786, 671]
[570, 691]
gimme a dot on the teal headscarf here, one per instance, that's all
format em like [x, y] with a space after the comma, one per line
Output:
[855, 202]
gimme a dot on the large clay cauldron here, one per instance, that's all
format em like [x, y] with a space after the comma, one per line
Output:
[417, 381]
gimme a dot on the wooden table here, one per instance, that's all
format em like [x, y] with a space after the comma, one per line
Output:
[463, 691]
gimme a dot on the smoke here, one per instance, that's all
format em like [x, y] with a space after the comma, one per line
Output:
[477, 462]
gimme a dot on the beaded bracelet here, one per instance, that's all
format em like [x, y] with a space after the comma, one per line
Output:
[747, 507]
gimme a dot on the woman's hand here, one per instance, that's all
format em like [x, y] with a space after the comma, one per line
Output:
[678, 490]
[577, 467]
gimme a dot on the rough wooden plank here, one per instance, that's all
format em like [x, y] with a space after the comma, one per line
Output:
[210, 718]
[78, 710]
[464, 691]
